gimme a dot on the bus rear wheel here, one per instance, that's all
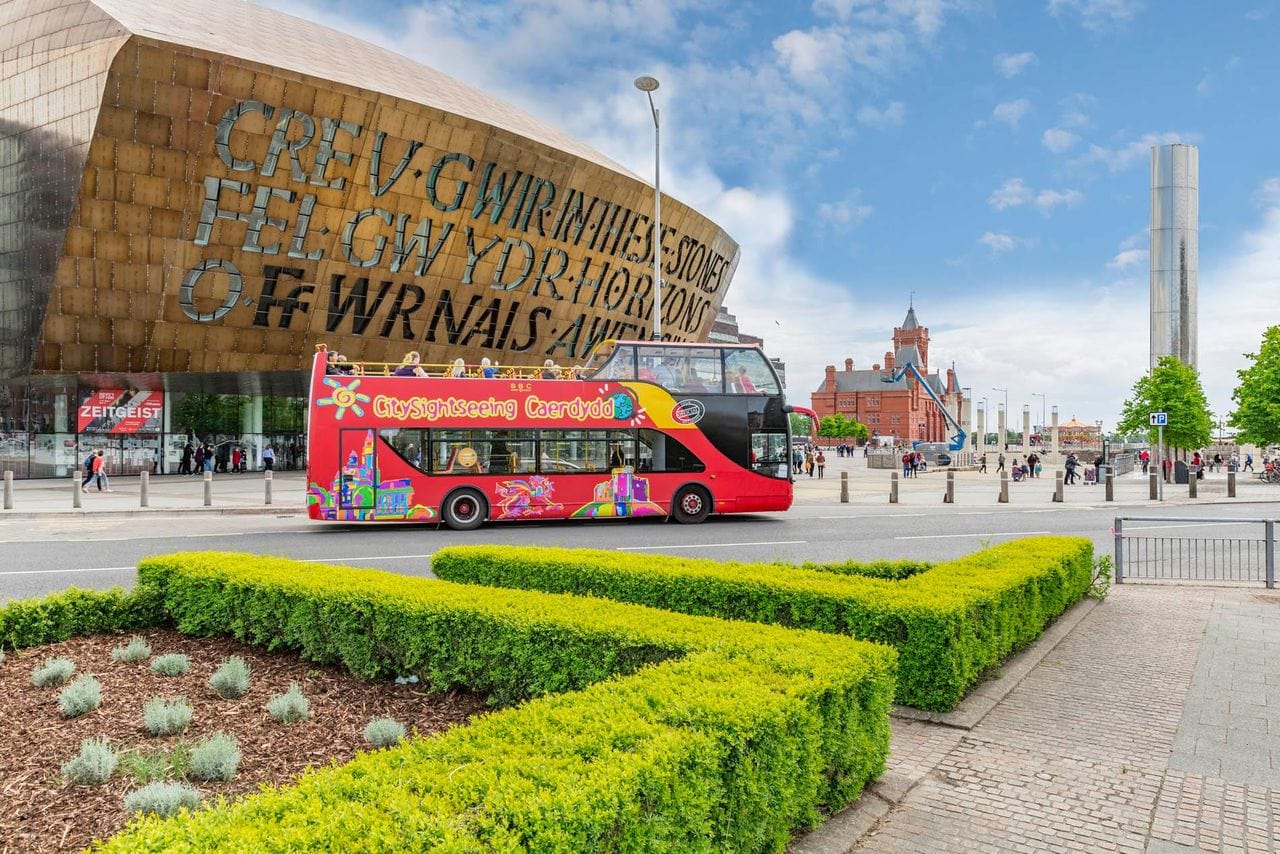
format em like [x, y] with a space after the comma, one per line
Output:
[690, 505]
[464, 510]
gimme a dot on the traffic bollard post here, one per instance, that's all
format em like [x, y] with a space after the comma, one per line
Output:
[266, 481]
[1004, 488]
[8, 490]
[208, 489]
[844, 487]
[1231, 484]
[1191, 485]
[950, 496]
[144, 489]
[893, 487]
[76, 477]
[1058, 482]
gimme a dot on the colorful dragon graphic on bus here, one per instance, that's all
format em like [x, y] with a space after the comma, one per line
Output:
[359, 494]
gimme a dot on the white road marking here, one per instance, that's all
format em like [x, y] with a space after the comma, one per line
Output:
[710, 546]
[876, 516]
[61, 571]
[974, 534]
[378, 557]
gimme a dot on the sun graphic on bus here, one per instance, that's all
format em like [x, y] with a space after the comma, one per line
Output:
[344, 397]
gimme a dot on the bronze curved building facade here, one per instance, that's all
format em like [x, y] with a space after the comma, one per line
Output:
[193, 194]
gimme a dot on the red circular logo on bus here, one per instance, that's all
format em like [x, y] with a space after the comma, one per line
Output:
[688, 411]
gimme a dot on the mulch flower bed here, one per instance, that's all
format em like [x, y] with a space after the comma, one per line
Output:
[41, 811]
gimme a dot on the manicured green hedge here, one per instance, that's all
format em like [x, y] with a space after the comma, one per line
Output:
[949, 623]
[894, 570]
[650, 730]
[34, 622]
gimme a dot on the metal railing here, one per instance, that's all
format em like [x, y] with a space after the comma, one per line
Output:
[1162, 552]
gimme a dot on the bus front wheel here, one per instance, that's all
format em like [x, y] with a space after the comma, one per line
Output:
[464, 510]
[691, 505]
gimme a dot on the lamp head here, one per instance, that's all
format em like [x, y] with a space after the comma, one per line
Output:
[646, 84]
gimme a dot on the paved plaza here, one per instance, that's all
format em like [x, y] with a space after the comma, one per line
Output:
[1152, 726]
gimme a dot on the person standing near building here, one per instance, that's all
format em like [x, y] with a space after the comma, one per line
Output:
[268, 458]
[1071, 468]
[185, 466]
[820, 460]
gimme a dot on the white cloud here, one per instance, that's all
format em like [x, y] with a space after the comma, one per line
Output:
[1013, 64]
[892, 115]
[1047, 200]
[998, 242]
[1011, 112]
[1058, 140]
[1205, 86]
[1014, 193]
[847, 213]
[1268, 193]
[1130, 153]
[1099, 15]
[1010, 194]
[1126, 258]
[810, 56]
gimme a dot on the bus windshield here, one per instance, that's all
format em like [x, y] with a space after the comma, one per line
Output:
[692, 369]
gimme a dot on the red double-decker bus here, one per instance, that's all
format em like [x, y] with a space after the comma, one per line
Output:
[646, 429]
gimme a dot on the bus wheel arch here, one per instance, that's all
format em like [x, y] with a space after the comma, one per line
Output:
[691, 504]
[464, 509]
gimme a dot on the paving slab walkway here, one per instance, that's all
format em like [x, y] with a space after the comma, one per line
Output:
[1153, 726]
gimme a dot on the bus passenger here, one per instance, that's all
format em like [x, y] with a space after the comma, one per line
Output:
[411, 366]
[459, 368]
[665, 373]
[487, 370]
[745, 385]
[550, 371]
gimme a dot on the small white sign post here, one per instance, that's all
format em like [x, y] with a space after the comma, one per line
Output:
[1158, 421]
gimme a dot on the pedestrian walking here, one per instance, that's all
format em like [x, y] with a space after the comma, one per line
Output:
[1033, 464]
[89, 463]
[821, 462]
[100, 472]
[268, 458]
[185, 466]
[999, 463]
[1248, 462]
[906, 464]
[982, 464]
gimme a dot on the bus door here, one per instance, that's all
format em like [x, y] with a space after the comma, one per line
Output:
[357, 470]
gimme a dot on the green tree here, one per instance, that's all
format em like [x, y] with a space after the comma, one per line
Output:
[1174, 388]
[1257, 413]
[841, 427]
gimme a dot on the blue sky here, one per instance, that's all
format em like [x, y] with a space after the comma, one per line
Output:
[991, 157]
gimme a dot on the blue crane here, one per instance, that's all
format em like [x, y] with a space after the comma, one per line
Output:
[892, 376]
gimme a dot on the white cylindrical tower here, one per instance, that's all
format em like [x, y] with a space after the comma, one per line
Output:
[1175, 251]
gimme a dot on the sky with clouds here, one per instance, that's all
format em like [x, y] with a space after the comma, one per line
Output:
[988, 159]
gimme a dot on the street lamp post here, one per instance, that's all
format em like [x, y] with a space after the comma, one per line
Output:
[1004, 438]
[647, 85]
[1042, 415]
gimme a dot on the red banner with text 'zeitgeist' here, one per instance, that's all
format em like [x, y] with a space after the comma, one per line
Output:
[117, 410]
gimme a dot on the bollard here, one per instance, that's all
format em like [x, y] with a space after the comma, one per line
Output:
[844, 488]
[1191, 485]
[267, 485]
[950, 496]
[893, 487]
[76, 477]
[144, 487]
[1004, 488]
[8, 490]
[1058, 481]
[1231, 484]
[208, 489]
[1155, 486]
[1110, 483]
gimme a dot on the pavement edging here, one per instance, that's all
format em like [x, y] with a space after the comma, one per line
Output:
[842, 831]
[263, 510]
